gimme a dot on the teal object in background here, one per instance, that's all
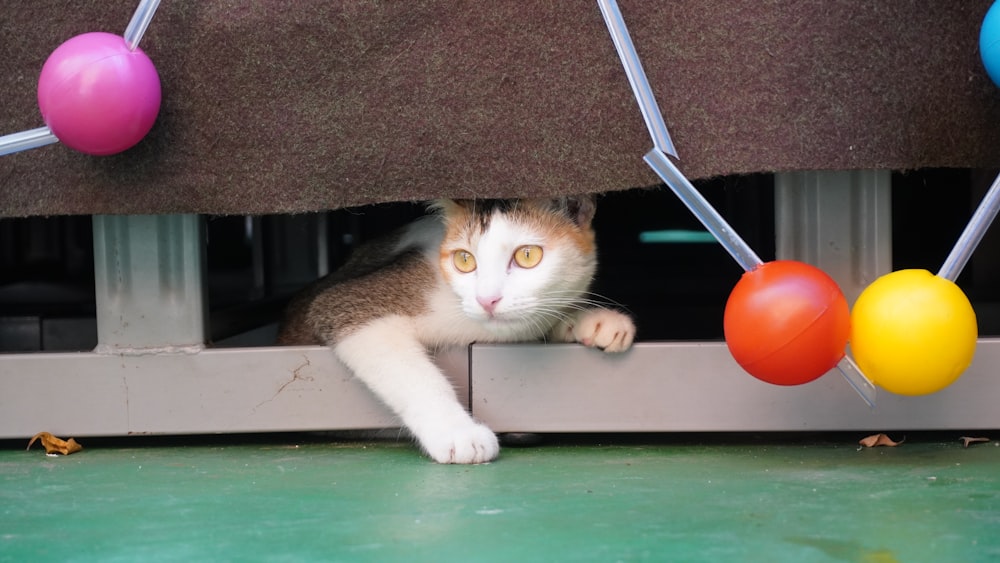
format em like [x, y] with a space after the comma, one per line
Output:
[676, 236]
[820, 501]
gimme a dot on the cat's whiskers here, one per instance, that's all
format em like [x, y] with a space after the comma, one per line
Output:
[585, 297]
[567, 305]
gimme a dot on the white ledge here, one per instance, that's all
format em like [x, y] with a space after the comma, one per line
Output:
[656, 387]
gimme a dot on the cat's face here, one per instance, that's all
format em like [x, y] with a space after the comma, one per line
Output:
[518, 262]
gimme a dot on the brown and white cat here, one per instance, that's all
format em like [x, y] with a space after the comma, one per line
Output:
[472, 271]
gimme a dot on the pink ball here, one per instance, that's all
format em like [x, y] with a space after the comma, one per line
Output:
[97, 96]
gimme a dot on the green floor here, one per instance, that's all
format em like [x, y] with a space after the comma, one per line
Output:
[289, 498]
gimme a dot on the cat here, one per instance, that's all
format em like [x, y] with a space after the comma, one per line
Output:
[470, 271]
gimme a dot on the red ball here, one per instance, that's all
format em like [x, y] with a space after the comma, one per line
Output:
[787, 322]
[97, 96]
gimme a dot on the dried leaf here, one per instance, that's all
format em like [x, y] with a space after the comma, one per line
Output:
[879, 440]
[966, 440]
[55, 445]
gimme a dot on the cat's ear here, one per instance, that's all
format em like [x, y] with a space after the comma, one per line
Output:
[579, 208]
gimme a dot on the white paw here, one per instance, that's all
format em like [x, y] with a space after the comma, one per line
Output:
[465, 442]
[611, 331]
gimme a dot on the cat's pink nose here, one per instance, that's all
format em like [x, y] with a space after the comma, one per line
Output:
[489, 303]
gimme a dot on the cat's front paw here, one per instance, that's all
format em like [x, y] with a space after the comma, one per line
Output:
[611, 331]
[469, 442]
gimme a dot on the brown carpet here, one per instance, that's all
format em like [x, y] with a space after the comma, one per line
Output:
[273, 106]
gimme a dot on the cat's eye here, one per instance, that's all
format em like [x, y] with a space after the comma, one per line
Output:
[464, 261]
[528, 256]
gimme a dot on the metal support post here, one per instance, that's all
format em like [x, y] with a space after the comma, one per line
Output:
[840, 221]
[149, 283]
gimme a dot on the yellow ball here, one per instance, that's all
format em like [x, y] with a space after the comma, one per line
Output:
[912, 332]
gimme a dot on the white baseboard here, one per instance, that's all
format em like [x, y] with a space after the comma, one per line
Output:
[656, 387]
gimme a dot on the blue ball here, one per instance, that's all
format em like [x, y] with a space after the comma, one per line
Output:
[989, 42]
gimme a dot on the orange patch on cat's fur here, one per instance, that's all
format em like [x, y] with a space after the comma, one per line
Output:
[554, 226]
[455, 233]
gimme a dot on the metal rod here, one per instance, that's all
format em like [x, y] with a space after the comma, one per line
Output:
[703, 210]
[637, 76]
[140, 22]
[858, 380]
[25, 140]
[973, 233]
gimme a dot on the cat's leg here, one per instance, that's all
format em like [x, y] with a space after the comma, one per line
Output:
[609, 330]
[387, 356]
